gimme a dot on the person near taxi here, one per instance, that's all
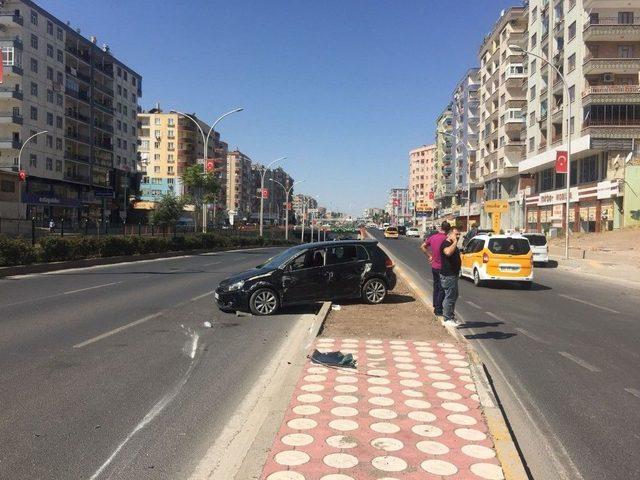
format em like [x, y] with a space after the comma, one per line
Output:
[449, 271]
[431, 248]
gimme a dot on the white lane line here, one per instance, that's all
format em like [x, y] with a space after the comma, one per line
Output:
[474, 305]
[532, 336]
[594, 305]
[210, 263]
[200, 296]
[580, 362]
[494, 316]
[633, 391]
[90, 288]
[117, 330]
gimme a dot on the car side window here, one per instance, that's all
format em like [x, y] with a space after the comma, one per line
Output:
[342, 254]
[308, 259]
[362, 253]
[476, 246]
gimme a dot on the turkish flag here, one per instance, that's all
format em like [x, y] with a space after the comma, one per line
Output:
[209, 166]
[561, 162]
[431, 195]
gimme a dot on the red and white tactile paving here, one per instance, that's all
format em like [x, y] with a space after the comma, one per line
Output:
[408, 412]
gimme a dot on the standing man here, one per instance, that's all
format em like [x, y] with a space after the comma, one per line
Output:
[431, 248]
[449, 274]
[470, 234]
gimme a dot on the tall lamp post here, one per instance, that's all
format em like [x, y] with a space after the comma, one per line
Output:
[205, 143]
[447, 134]
[20, 168]
[287, 192]
[518, 48]
[262, 174]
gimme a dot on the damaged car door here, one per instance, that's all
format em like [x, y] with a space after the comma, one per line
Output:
[305, 278]
[347, 264]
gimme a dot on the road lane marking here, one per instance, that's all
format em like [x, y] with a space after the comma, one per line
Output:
[594, 305]
[633, 391]
[210, 263]
[474, 305]
[527, 333]
[200, 296]
[116, 330]
[494, 316]
[90, 288]
[580, 362]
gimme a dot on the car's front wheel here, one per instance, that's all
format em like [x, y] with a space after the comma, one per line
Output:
[476, 278]
[374, 291]
[264, 301]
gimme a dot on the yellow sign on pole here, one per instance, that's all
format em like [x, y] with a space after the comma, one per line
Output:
[495, 221]
[496, 206]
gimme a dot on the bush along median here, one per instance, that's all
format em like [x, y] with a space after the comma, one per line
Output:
[18, 251]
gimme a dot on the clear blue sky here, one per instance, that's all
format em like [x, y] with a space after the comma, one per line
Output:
[343, 88]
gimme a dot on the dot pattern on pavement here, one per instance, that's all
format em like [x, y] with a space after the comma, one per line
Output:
[409, 412]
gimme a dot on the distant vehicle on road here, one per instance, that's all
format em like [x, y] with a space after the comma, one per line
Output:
[539, 247]
[402, 230]
[385, 225]
[490, 258]
[310, 273]
[413, 232]
[391, 232]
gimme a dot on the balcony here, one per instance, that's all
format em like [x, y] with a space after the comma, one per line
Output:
[104, 69]
[103, 108]
[7, 118]
[515, 80]
[79, 95]
[103, 126]
[556, 114]
[609, 29]
[13, 41]
[81, 54]
[612, 127]
[7, 92]
[77, 74]
[103, 145]
[596, 66]
[611, 94]
[70, 113]
[503, 172]
[10, 144]
[76, 157]
[78, 137]
[75, 177]
[103, 88]
[8, 19]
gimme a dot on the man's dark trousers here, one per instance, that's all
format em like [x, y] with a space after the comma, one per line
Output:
[438, 292]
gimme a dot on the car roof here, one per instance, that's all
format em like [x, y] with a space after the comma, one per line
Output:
[484, 236]
[334, 243]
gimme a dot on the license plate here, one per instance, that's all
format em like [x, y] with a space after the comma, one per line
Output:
[216, 296]
[509, 268]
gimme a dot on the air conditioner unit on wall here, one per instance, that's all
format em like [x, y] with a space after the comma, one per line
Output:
[608, 78]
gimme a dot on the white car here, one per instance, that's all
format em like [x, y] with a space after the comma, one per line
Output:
[539, 247]
[413, 232]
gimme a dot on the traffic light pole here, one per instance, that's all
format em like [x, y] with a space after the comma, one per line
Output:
[23, 178]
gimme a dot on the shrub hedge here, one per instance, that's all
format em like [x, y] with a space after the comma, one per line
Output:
[18, 251]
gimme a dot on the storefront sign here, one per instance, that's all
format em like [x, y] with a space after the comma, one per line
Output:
[35, 199]
[557, 212]
[496, 206]
[558, 196]
[496, 218]
[608, 189]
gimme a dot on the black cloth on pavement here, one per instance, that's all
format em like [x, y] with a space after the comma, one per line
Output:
[335, 359]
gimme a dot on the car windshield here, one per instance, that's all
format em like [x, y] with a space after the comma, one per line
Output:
[392, 230]
[536, 240]
[509, 246]
[281, 258]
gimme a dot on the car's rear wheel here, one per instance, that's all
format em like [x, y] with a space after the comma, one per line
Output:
[476, 278]
[374, 291]
[264, 302]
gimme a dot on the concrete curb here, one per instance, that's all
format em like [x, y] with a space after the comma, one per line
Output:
[92, 262]
[241, 449]
[505, 446]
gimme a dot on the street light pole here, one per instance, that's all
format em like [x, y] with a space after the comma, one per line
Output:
[262, 174]
[287, 192]
[568, 126]
[20, 168]
[205, 142]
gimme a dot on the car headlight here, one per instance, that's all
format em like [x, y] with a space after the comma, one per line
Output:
[236, 286]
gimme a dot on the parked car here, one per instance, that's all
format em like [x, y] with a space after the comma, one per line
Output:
[539, 247]
[391, 232]
[402, 230]
[310, 273]
[185, 224]
[489, 258]
[413, 232]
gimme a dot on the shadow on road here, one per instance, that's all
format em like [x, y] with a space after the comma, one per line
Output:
[490, 336]
[515, 286]
[480, 325]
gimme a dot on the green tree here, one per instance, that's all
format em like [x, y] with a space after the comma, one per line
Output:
[167, 211]
[201, 187]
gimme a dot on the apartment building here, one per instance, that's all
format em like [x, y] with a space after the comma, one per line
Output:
[275, 181]
[421, 174]
[398, 206]
[466, 116]
[56, 80]
[240, 184]
[443, 163]
[300, 200]
[169, 143]
[596, 46]
[503, 101]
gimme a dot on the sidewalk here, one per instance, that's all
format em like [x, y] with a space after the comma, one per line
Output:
[410, 410]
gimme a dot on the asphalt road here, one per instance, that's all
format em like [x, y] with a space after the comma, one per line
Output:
[108, 372]
[564, 358]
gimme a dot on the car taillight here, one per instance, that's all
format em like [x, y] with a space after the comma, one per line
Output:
[485, 258]
[389, 263]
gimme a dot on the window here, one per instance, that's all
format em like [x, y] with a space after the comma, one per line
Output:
[532, 118]
[34, 41]
[125, 75]
[532, 144]
[133, 80]
[510, 246]
[171, 133]
[625, 51]
[124, 144]
[572, 93]
[547, 178]
[118, 125]
[125, 92]
[119, 72]
[50, 96]
[34, 116]
[50, 118]
[345, 254]
[125, 128]
[33, 160]
[59, 34]
[34, 65]
[34, 89]
[34, 18]
[534, 14]
[156, 169]
[59, 99]
[58, 121]
[133, 97]
[157, 121]
[60, 56]
[49, 50]
[533, 66]
[572, 62]
[58, 144]
[588, 170]
[170, 158]
[59, 78]
[119, 143]
[170, 170]
[572, 31]
[124, 110]
[49, 163]
[119, 90]
[532, 92]
[58, 165]
[625, 18]
[156, 133]
[119, 107]
[572, 125]
[50, 27]
[170, 146]
[50, 73]
[49, 141]
[534, 40]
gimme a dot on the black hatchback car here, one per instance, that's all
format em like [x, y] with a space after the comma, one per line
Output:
[310, 273]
